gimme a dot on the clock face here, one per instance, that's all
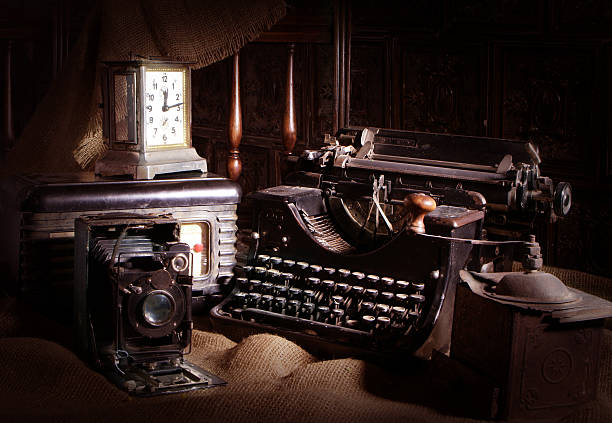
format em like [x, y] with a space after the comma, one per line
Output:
[165, 111]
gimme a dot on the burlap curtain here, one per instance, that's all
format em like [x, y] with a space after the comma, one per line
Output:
[65, 133]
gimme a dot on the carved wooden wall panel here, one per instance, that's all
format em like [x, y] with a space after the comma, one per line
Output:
[396, 16]
[442, 89]
[323, 94]
[582, 18]
[369, 90]
[495, 16]
[547, 95]
[210, 88]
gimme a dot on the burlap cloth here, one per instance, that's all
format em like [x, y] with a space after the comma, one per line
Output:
[269, 379]
[65, 133]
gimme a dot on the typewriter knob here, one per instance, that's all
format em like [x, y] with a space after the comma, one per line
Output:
[562, 201]
[417, 206]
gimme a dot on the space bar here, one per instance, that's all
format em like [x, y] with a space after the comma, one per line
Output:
[302, 325]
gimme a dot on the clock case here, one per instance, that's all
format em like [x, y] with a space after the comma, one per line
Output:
[123, 91]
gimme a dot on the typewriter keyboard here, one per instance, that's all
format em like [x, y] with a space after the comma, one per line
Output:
[331, 302]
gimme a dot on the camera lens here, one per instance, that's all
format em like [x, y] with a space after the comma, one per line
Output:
[157, 308]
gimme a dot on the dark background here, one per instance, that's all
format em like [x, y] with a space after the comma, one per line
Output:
[522, 69]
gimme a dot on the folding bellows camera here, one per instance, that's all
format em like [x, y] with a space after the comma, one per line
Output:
[133, 302]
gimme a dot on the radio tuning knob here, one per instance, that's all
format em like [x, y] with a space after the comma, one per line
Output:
[418, 205]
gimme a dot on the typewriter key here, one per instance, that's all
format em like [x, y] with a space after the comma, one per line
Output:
[322, 313]
[328, 285]
[402, 286]
[366, 307]
[387, 283]
[398, 313]
[418, 287]
[368, 323]
[337, 301]
[307, 310]
[343, 288]
[382, 323]
[247, 271]
[402, 300]
[260, 273]
[337, 314]
[329, 272]
[294, 293]
[357, 277]
[253, 299]
[267, 288]
[263, 259]
[280, 290]
[266, 302]
[357, 292]
[372, 281]
[273, 276]
[288, 265]
[278, 304]
[287, 278]
[293, 306]
[308, 295]
[417, 298]
[344, 274]
[313, 282]
[242, 283]
[371, 294]
[255, 284]
[240, 299]
[382, 309]
[386, 297]
[315, 270]
[275, 262]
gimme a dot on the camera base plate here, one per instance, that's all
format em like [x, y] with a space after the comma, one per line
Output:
[160, 378]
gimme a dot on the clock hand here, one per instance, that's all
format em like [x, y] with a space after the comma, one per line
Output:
[165, 93]
[174, 105]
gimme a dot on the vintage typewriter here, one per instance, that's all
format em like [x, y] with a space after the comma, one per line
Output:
[360, 251]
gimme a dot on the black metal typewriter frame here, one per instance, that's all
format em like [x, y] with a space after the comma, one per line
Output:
[284, 206]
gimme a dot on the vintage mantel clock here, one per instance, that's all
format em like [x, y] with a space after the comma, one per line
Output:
[147, 119]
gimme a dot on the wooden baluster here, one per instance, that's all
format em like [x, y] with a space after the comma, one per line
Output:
[234, 164]
[289, 130]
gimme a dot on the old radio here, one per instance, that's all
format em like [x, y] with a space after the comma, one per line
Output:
[39, 212]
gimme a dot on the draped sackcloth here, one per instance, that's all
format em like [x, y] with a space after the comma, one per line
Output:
[65, 132]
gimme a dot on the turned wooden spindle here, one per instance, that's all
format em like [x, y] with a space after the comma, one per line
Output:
[234, 164]
[289, 130]
[418, 205]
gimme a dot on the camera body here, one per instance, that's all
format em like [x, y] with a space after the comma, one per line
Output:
[132, 296]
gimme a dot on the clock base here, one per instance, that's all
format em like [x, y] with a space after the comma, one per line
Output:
[147, 165]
